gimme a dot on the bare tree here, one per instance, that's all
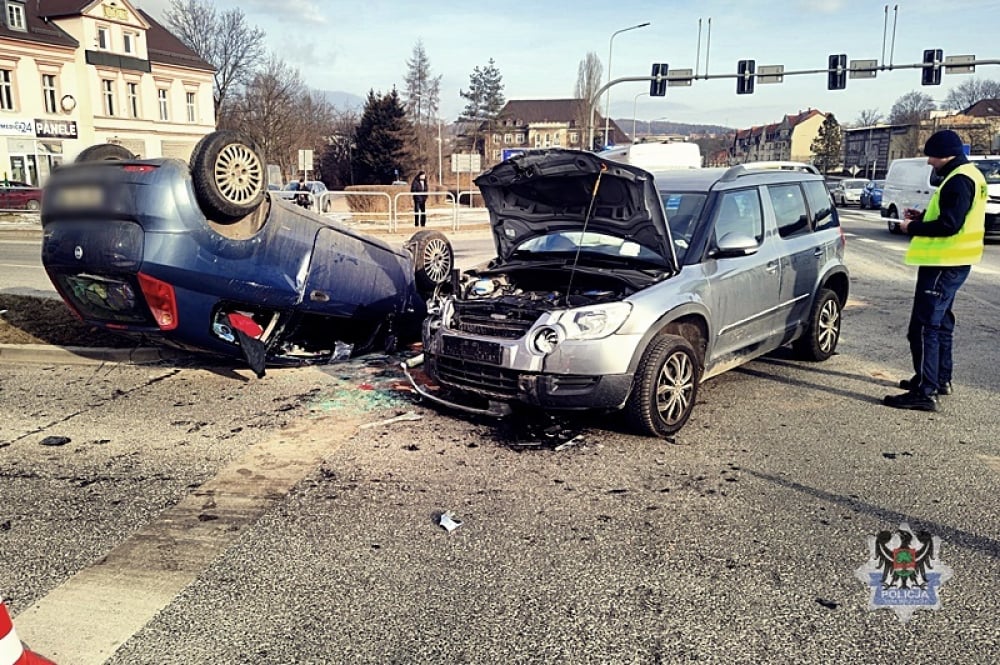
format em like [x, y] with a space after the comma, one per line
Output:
[224, 40]
[588, 80]
[911, 108]
[869, 117]
[422, 97]
[970, 91]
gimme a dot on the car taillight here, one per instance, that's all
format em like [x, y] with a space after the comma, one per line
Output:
[138, 168]
[161, 300]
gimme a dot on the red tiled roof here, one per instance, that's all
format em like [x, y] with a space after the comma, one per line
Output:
[38, 30]
[984, 108]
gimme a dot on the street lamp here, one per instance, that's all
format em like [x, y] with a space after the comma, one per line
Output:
[607, 98]
[635, 101]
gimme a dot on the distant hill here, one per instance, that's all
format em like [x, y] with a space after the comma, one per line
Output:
[343, 101]
[668, 127]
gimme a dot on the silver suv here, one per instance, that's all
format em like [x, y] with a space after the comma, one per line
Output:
[615, 288]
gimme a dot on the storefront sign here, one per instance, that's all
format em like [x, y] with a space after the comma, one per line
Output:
[17, 127]
[55, 129]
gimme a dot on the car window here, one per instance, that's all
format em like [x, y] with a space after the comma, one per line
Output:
[855, 184]
[739, 212]
[683, 213]
[990, 169]
[819, 204]
[790, 212]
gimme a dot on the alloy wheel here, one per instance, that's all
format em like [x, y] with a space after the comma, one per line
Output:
[238, 173]
[829, 326]
[675, 387]
[437, 260]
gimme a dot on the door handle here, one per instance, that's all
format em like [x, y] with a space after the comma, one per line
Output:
[772, 266]
[818, 252]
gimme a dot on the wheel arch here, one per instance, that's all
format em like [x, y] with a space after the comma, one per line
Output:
[690, 321]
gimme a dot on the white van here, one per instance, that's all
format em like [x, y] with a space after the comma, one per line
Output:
[908, 184]
[664, 156]
[989, 165]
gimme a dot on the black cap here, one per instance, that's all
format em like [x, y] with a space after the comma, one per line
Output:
[944, 143]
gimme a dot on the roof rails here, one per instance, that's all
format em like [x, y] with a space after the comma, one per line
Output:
[749, 168]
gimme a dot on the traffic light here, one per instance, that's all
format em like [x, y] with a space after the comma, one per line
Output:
[836, 77]
[745, 76]
[931, 73]
[658, 87]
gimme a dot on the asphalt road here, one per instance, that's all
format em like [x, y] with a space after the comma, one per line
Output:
[200, 515]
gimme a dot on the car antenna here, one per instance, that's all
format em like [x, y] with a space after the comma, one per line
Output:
[586, 221]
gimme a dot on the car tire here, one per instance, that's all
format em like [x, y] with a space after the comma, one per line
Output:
[104, 152]
[228, 176]
[819, 341]
[433, 259]
[669, 366]
[893, 221]
[32, 205]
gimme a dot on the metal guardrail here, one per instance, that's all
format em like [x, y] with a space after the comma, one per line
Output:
[449, 197]
[389, 213]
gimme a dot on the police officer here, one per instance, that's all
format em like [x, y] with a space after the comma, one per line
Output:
[946, 240]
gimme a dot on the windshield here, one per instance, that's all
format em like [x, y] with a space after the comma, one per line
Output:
[588, 242]
[990, 169]
[683, 212]
[854, 184]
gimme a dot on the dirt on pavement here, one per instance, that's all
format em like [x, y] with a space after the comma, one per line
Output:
[31, 320]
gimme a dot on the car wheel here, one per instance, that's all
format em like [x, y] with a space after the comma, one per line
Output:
[666, 385]
[104, 152]
[32, 205]
[823, 332]
[228, 175]
[433, 258]
[893, 222]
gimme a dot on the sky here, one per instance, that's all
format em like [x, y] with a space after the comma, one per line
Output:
[356, 46]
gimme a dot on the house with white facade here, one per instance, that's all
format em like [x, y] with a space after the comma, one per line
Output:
[74, 73]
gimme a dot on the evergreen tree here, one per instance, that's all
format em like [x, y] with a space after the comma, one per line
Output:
[826, 145]
[423, 96]
[485, 94]
[382, 153]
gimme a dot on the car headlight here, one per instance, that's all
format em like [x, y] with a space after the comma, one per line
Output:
[596, 321]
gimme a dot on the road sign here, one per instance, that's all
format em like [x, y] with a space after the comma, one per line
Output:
[507, 153]
[305, 160]
[863, 69]
[745, 76]
[658, 83]
[684, 74]
[462, 162]
[770, 74]
[959, 64]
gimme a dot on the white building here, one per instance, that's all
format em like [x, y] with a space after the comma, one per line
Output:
[76, 73]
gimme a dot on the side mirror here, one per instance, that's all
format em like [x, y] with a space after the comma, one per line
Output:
[735, 244]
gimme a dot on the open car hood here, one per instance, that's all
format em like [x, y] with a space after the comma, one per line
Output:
[545, 191]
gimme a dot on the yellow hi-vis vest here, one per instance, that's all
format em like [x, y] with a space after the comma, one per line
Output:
[965, 247]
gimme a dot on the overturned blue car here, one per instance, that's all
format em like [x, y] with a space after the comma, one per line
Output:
[201, 257]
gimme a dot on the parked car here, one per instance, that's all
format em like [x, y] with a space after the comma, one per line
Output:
[909, 183]
[848, 191]
[204, 257]
[315, 189]
[614, 289]
[16, 195]
[871, 195]
[989, 165]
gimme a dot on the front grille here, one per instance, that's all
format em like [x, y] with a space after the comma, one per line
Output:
[489, 320]
[495, 381]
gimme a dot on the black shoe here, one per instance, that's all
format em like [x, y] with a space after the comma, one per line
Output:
[911, 400]
[910, 384]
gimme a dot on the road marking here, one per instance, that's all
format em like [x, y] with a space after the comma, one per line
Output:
[991, 462]
[985, 271]
[88, 617]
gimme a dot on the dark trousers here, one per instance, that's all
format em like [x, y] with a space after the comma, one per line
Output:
[932, 324]
[419, 212]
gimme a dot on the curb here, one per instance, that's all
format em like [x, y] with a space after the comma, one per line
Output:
[81, 355]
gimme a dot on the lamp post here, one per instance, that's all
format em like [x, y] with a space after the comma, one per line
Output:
[635, 101]
[607, 98]
[440, 162]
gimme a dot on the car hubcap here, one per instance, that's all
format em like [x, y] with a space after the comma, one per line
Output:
[238, 173]
[829, 326]
[675, 387]
[437, 260]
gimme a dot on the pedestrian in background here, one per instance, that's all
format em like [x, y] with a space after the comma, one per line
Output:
[419, 184]
[946, 240]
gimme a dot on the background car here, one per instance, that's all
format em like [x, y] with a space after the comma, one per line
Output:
[848, 191]
[316, 189]
[15, 195]
[871, 195]
[201, 256]
[615, 288]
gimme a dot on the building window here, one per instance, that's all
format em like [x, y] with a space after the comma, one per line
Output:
[161, 96]
[496, 139]
[49, 94]
[574, 138]
[103, 38]
[108, 88]
[496, 155]
[191, 110]
[128, 42]
[507, 138]
[15, 15]
[557, 141]
[6, 90]
[133, 99]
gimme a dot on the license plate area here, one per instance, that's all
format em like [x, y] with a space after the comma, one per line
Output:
[476, 350]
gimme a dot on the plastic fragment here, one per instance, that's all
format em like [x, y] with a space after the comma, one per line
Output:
[448, 521]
